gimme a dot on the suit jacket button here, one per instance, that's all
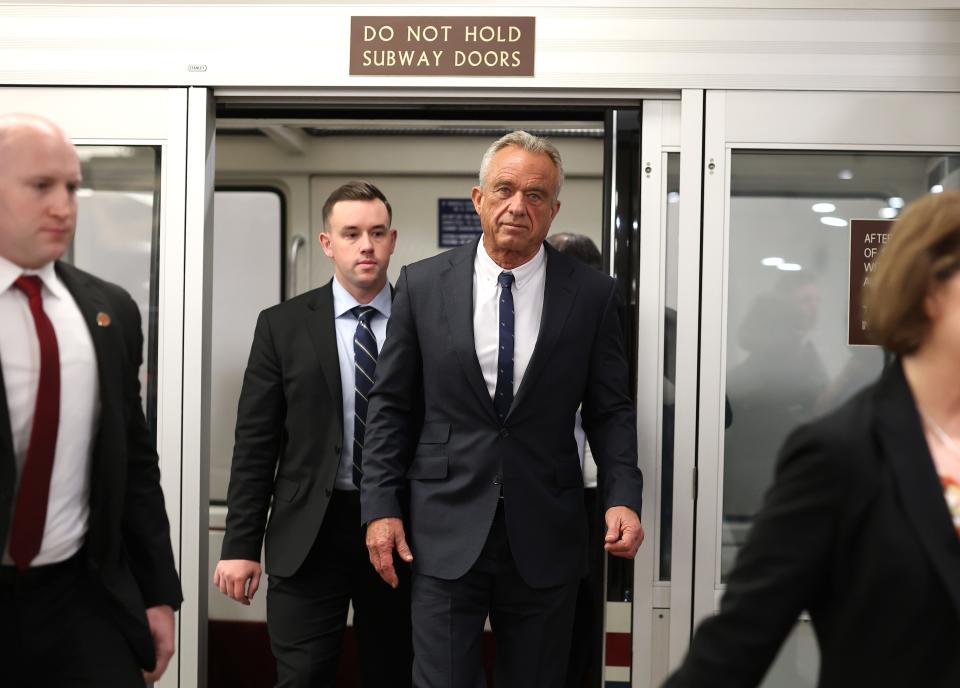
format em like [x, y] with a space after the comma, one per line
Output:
[327, 491]
[336, 449]
[504, 433]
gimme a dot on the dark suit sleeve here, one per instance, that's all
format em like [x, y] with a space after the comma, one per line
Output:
[781, 570]
[393, 413]
[609, 415]
[257, 444]
[145, 528]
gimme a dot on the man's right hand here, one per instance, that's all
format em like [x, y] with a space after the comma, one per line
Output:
[232, 577]
[383, 536]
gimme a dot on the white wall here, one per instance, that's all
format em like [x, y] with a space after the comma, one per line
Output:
[598, 47]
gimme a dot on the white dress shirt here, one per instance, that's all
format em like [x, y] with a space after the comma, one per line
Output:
[527, 290]
[68, 504]
[346, 325]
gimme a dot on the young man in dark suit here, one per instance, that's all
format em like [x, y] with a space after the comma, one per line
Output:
[299, 441]
[88, 585]
[501, 341]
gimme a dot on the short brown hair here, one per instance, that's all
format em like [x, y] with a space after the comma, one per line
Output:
[356, 190]
[923, 250]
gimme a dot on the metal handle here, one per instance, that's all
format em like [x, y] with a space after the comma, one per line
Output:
[297, 243]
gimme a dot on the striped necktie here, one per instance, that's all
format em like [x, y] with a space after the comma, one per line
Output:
[503, 395]
[365, 365]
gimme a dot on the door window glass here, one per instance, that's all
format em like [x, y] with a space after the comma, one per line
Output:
[118, 238]
[787, 358]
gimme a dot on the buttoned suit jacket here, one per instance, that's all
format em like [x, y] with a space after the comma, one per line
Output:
[463, 453]
[288, 435]
[854, 529]
[127, 547]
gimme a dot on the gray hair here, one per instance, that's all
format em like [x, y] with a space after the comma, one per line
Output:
[527, 142]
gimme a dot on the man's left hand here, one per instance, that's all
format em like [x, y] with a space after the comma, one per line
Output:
[624, 532]
[161, 628]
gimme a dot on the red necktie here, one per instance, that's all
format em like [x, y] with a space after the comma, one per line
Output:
[30, 513]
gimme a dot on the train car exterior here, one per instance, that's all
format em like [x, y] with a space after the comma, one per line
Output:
[719, 153]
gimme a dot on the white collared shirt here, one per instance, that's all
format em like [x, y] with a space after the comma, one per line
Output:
[527, 290]
[68, 505]
[346, 325]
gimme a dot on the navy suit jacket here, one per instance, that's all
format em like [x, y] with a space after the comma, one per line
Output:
[463, 453]
[128, 542]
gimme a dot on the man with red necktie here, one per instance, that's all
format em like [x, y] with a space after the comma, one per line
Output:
[88, 584]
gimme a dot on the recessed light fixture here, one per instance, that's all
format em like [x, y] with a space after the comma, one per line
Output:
[789, 267]
[824, 207]
[772, 261]
[887, 213]
[833, 221]
[895, 202]
[673, 197]
[845, 174]
[936, 188]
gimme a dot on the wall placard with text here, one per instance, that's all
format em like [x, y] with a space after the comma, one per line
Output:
[442, 46]
[458, 222]
[867, 237]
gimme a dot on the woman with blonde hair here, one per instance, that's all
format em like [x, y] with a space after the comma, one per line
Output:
[861, 526]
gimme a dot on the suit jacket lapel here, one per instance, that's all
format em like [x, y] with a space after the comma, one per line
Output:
[558, 293]
[457, 297]
[901, 435]
[92, 303]
[320, 324]
[109, 350]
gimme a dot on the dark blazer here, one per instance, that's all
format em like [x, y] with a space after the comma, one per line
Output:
[463, 453]
[854, 529]
[128, 542]
[289, 430]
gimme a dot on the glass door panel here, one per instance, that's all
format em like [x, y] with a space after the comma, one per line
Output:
[780, 189]
[787, 358]
[118, 238]
[131, 231]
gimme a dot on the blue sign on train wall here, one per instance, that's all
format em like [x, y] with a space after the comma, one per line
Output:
[457, 221]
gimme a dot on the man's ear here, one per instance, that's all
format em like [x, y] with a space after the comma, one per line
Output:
[476, 195]
[325, 243]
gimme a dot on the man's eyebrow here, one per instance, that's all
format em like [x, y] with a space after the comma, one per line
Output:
[357, 227]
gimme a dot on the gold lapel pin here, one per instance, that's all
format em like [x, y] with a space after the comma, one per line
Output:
[103, 319]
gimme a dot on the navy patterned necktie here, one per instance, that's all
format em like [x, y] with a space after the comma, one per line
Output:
[365, 365]
[503, 395]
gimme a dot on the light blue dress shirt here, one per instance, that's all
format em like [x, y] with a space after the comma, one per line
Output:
[346, 325]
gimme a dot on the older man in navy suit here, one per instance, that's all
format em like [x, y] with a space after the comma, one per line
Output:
[497, 344]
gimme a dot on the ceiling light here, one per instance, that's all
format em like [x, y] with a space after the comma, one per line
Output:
[833, 221]
[673, 197]
[845, 174]
[887, 213]
[936, 188]
[772, 261]
[789, 267]
[824, 207]
[895, 202]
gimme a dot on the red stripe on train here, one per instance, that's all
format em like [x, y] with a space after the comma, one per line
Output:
[618, 650]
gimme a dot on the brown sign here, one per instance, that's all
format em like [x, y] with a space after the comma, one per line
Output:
[442, 46]
[867, 237]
